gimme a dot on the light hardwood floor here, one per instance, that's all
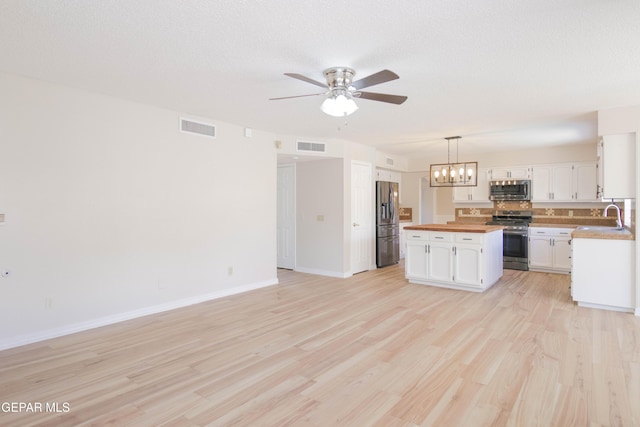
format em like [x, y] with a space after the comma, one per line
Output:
[371, 350]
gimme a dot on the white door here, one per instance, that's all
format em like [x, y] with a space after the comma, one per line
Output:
[286, 216]
[361, 217]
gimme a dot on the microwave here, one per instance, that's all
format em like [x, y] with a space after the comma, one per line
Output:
[510, 189]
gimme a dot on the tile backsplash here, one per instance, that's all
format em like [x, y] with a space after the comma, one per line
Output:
[546, 215]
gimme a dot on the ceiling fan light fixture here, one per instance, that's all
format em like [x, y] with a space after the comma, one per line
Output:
[339, 105]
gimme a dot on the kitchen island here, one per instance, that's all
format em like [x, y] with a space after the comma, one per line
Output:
[456, 256]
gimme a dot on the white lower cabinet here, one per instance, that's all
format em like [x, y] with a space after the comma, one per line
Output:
[603, 274]
[416, 256]
[550, 249]
[468, 264]
[471, 261]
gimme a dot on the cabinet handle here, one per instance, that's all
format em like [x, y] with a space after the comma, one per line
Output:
[426, 249]
[466, 238]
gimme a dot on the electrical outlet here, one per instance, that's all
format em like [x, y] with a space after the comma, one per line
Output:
[320, 218]
[459, 211]
[230, 271]
[570, 213]
[48, 302]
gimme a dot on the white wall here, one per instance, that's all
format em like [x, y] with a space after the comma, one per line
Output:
[111, 212]
[320, 217]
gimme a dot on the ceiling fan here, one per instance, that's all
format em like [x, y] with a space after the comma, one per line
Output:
[340, 89]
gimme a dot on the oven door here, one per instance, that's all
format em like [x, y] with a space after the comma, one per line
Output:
[515, 249]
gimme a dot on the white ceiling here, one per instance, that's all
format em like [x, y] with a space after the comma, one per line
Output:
[500, 73]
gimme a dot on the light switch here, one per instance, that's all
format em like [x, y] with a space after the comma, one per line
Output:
[320, 218]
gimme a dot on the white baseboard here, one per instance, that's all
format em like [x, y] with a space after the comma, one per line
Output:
[319, 272]
[121, 317]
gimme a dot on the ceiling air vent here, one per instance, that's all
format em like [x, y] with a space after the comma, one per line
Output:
[316, 147]
[389, 161]
[203, 129]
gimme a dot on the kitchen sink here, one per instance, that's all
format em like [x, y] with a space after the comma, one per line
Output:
[599, 228]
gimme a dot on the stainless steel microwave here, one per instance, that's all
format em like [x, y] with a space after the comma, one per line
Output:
[510, 189]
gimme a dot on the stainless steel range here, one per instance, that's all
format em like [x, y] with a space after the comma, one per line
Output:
[515, 237]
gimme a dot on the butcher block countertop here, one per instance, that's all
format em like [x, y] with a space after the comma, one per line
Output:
[595, 233]
[460, 228]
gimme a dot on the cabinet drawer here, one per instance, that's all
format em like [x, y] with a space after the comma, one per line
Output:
[468, 238]
[547, 231]
[436, 236]
[416, 235]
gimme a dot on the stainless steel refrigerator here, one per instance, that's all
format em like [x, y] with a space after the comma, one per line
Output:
[387, 224]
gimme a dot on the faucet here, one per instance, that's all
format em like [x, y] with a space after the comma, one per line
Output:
[618, 219]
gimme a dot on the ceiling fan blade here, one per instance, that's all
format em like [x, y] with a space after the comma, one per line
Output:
[306, 79]
[297, 96]
[383, 97]
[375, 79]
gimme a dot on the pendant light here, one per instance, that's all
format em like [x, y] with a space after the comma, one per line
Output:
[458, 174]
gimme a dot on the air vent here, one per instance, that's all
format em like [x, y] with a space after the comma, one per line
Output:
[389, 161]
[316, 147]
[203, 129]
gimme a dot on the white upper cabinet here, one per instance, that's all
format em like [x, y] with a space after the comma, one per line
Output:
[477, 194]
[586, 181]
[512, 172]
[564, 182]
[617, 154]
[387, 175]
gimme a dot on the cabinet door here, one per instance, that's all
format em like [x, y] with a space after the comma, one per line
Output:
[562, 183]
[416, 259]
[519, 172]
[468, 264]
[540, 252]
[541, 183]
[562, 253]
[461, 194]
[480, 193]
[499, 173]
[440, 261]
[618, 166]
[514, 172]
[585, 179]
